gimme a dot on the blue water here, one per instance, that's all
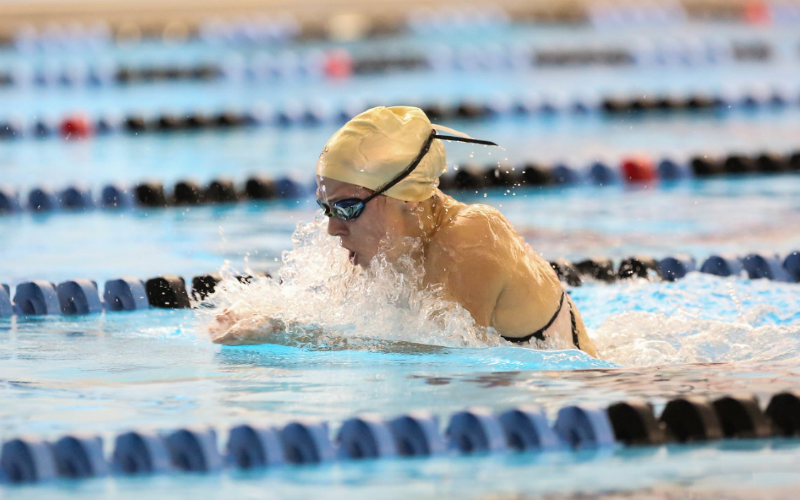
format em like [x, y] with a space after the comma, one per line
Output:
[703, 335]
[696, 217]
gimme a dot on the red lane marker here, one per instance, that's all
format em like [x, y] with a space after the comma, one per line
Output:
[638, 169]
[77, 125]
[338, 64]
[757, 12]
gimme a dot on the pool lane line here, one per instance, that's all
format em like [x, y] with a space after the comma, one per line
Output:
[638, 170]
[82, 296]
[80, 125]
[337, 62]
[474, 431]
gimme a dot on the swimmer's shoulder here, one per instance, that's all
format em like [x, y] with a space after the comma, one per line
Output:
[473, 230]
[477, 220]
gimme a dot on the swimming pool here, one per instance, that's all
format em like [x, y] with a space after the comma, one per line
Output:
[703, 335]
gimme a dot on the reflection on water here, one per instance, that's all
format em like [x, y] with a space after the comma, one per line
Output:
[151, 369]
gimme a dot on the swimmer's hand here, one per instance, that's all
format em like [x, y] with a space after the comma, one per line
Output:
[234, 327]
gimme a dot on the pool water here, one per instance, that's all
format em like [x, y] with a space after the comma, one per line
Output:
[703, 335]
[698, 217]
[155, 370]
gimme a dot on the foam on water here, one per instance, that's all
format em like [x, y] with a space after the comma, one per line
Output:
[701, 319]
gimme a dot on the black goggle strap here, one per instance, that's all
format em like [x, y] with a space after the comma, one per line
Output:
[465, 139]
[425, 148]
[405, 173]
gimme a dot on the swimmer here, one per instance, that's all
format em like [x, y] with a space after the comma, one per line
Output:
[377, 181]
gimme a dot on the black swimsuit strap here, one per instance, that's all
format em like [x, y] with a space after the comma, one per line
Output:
[539, 334]
[574, 327]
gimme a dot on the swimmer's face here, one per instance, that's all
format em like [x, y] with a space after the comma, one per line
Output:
[383, 219]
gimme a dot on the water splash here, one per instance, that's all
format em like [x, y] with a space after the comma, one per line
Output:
[701, 319]
[318, 299]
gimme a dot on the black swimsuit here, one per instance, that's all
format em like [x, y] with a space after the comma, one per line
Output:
[539, 334]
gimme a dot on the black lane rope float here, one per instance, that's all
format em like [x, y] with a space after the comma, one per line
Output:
[474, 431]
[82, 296]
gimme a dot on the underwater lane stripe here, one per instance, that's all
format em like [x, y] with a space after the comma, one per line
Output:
[82, 296]
[474, 431]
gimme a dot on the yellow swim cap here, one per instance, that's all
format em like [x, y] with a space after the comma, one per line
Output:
[374, 147]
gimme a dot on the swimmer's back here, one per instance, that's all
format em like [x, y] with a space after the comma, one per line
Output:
[491, 271]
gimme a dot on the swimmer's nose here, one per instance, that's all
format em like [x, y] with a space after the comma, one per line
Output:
[337, 227]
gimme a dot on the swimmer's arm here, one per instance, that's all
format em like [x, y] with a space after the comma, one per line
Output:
[241, 325]
[237, 325]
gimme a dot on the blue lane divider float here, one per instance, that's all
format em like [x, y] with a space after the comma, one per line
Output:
[366, 436]
[80, 457]
[562, 174]
[768, 266]
[9, 200]
[417, 435]
[307, 443]
[116, 196]
[76, 197]
[671, 170]
[79, 297]
[6, 309]
[722, 265]
[584, 427]
[476, 430]
[194, 450]
[42, 199]
[792, 266]
[252, 447]
[140, 453]
[36, 298]
[27, 461]
[676, 267]
[527, 429]
[603, 174]
[125, 294]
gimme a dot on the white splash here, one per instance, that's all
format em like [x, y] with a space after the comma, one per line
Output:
[702, 319]
[318, 299]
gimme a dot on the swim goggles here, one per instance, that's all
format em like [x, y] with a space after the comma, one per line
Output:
[351, 208]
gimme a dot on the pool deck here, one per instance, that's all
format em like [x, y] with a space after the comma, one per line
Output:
[151, 17]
